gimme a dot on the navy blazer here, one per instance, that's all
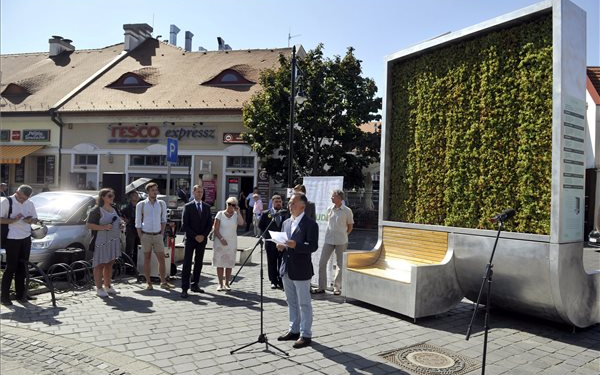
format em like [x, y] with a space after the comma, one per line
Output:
[195, 224]
[297, 262]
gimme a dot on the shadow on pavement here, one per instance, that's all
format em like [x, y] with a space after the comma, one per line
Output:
[32, 313]
[129, 304]
[354, 363]
[457, 320]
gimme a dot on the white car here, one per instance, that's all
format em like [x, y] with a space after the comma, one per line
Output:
[65, 214]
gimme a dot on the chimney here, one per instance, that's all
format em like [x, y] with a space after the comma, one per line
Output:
[222, 45]
[58, 45]
[136, 34]
[173, 36]
[188, 40]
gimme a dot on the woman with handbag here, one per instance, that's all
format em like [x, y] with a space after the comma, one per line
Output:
[105, 223]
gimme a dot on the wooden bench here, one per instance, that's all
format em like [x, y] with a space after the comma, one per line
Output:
[410, 271]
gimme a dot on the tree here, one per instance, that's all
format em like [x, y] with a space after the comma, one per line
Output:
[327, 137]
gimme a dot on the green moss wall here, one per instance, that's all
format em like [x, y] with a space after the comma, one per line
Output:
[470, 129]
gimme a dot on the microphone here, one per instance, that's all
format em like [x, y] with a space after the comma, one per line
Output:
[504, 215]
[280, 212]
[114, 219]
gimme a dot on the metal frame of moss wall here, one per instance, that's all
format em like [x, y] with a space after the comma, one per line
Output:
[540, 275]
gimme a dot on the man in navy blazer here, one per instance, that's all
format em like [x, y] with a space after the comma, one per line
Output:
[296, 270]
[197, 222]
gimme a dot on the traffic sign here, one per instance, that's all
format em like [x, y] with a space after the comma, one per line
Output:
[172, 148]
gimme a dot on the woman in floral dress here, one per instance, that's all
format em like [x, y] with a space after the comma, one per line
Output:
[225, 241]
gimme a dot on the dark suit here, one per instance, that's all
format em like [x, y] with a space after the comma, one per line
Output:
[132, 240]
[297, 262]
[296, 271]
[194, 223]
[273, 255]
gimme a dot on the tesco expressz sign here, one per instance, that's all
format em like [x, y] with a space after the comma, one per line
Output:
[142, 133]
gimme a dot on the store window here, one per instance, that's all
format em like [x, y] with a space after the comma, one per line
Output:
[240, 162]
[158, 160]
[86, 159]
[20, 172]
[45, 169]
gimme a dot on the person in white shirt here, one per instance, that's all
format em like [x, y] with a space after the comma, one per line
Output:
[257, 211]
[150, 222]
[339, 225]
[19, 213]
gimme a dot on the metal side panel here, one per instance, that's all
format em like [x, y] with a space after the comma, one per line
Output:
[576, 293]
[437, 288]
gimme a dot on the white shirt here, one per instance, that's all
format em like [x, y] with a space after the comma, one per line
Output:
[295, 222]
[337, 224]
[155, 214]
[19, 229]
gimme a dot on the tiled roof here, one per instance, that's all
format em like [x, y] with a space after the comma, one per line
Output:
[371, 127]
[593, 73]
[176, 77]
[49, 79]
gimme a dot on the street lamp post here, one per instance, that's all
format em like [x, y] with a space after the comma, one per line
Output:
[294, 98]
[290, 179]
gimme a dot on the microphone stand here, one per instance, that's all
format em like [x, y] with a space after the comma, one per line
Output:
[262, 337]
[487, 280]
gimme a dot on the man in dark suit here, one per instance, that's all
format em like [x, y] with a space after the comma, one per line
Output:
[275, 219]
[132, 240]
[197, 223]
[296, 270]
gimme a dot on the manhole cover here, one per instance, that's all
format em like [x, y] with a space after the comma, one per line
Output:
[430, 359]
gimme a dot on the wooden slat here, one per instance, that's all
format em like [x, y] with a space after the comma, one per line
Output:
[415, 245]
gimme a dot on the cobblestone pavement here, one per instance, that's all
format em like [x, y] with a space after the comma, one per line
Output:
[155, 332]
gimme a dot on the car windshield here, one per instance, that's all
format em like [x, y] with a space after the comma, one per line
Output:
[58, 207]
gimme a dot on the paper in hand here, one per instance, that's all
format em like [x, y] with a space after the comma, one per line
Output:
[278, 237]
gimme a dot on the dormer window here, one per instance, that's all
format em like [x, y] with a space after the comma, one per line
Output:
[15, 90]
[228, 77]
[129, 81]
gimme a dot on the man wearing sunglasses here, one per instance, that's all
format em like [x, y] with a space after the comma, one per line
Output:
[196, 225]
[19, 214]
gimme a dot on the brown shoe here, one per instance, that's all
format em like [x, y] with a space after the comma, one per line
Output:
[167, 285]
[289, 336]
[149, 287]
[302, 342]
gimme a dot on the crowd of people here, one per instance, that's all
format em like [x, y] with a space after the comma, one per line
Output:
[289, 262]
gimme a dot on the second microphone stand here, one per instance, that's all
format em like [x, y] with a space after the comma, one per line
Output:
[487, 280]
[262, 337]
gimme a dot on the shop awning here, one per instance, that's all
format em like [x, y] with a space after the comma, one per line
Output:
[14, 154]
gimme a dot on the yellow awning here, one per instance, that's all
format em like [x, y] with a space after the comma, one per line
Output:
[14, 154]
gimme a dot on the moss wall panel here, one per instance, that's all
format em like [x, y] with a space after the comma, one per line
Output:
[471, 131]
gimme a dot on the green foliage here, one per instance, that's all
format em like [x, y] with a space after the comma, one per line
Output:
[327, 138]
[471, 131]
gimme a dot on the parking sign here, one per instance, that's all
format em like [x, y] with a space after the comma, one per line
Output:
[172, 146]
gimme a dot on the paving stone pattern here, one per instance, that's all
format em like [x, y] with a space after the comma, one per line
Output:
[155, 332]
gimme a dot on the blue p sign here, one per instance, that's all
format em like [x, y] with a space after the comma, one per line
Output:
[172, 147]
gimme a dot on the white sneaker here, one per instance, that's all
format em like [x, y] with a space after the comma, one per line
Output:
[220, 289]
[112, 290]
[100, 292]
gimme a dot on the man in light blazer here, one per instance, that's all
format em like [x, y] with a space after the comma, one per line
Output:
[197, 222]
[296, 270]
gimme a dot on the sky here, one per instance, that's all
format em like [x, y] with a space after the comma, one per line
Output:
[375, 28]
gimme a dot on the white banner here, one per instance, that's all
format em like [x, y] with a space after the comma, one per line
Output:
[318, 191]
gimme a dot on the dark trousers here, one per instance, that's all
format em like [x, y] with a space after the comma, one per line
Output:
[132, 242]
[273, 263]
[248, 218]
[17, 256]
[192, 246]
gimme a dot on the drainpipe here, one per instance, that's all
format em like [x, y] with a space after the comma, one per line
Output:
[55, 117]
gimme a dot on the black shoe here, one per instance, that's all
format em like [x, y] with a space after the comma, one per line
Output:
[273, 286]
[317, 291]
[30, 298]
[302, 342]
[6, 302]
[184, 294]
[196, 289]
[289, 336]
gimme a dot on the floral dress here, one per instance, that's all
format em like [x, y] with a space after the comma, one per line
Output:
[107, 244]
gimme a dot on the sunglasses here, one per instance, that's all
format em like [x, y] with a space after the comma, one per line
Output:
[110, 196]
[232, 204]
